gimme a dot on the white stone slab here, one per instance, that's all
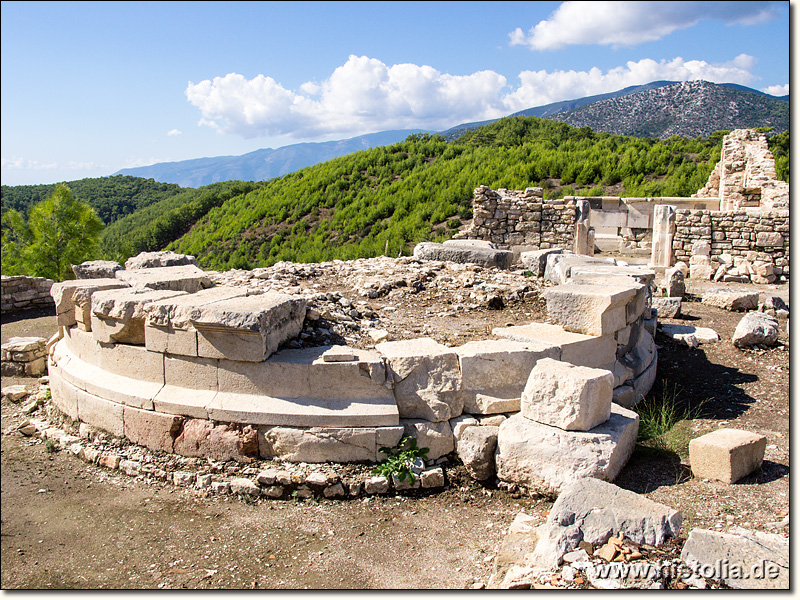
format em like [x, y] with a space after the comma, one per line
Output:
[576, 348]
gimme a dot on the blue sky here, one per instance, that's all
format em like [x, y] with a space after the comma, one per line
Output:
[89, 88]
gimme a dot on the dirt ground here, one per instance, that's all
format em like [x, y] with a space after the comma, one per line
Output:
[67, 524]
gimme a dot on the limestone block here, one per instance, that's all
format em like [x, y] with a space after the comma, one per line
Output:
[688, 334]
[592, 511]
[153, 430]
[726, 455]
[544, 458]
[183, 278]
[576, 348]
[640, 215]
[318, 444]
[476, 447]
[669, 308]
[756, 328]
[134, 362]
[164, 258]
[96, 269]
[464, 253]
[567, 396]
[221, 442]
[190, 385]
[376, 485]
[643, 383]
[64, 395]
[623, 395]
[731, 299]
[590, 309]
[460, 423]
[641, 356]
[169, 340]
[536, 260]
[432, 478]
[674, 283]
[559, 266]
[176, 312]
[494, 372]
[663, 232]
[608, 218]
[83, 345]
[437, 437]
[742, 551]
[769, 239]
[64, 291]
[426, 378]
[119, 315]
[100, 413]
[247, 328]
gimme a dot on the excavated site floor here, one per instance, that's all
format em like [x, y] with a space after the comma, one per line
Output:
[67, 524]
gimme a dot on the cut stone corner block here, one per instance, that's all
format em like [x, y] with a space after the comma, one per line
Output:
[182, 278]
[118, 315]
[436, 437]
[591, 309]
[73, 299]
[568, 396]
[575, 348]
[425, 377]
[726, 455]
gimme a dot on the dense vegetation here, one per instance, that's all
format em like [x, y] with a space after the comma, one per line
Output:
[387, 199]
[111, 197]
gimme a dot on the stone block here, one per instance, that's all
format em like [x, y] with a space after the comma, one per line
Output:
[219, 441]
[100, 413]
[183, 278]
[726, 455]
[756, 328]
[567, 396]
[669, 308]
[119, 315]
[731, 299]
[164, 258]
[82, 345]
[168, 340]
[426, 378]
[153, 430]
[464, 253]
[437, 437]
[590, 309]
[575, 348]
[63, 293]
[247, 328]
[376, 485]
[64, 395]
[475, 448]
[688, 334]
[318, 444]
[134, 362]
[494, 372]
[432, 478]
[544, 458]
[176, 312]
[96, 269]
[536, 260]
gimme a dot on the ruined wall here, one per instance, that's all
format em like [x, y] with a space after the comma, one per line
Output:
[521, 218]
[20, 292]
[745, 175]
[754, 237]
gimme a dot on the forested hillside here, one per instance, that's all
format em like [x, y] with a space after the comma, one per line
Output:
[387, 199]
[111, 197]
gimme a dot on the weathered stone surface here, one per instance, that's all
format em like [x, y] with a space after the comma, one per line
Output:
[567, 396]
[220, 442]
[165, 258]
[64, 295]
[150, 429]
[753, 560]
[178, 311]
[376, 485]
[663, 234]
[464, 253]
[701, 272]
[774, 306]
[432, 478]
[494, 372]
[590, 309]
[726, 455]
[247, 328]
[575, 348]
[560, 266]
[318, 444]
[245, 487]
[687, 333]
[460, 423]
[476, 447]
[119, 315]
[674, 283]
[756, 328]
[426, 379]
[96, 269]
[591, 510]
[544, 458]
[731, 299]
[100, 413]
[669, 308]
[536, 260]
[437, 437]
[184, 278]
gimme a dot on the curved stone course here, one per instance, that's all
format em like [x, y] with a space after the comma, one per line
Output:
[201, 370]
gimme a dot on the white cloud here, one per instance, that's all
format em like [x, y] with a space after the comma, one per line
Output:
[365, 95]
[174, 132]
[17, 162]
[629, 23]
[777, 90]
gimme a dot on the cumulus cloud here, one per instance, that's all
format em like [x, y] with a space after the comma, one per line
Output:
[174, 132]
[17, 162]
[777, 90]
[365, 95]
[629, 23]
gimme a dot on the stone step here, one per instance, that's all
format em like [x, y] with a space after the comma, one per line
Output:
[576, 348]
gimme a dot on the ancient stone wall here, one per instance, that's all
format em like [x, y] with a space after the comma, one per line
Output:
[521, 218]
[751, 239]
[20, 292]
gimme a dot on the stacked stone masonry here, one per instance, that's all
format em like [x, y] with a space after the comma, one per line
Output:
[201, 370]
[20, 292]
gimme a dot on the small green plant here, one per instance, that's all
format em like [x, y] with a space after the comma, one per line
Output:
[49, 446]
[662, 421]
[47, 395]
[527, 273]
[400, 459]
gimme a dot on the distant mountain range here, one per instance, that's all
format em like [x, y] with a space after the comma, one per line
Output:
[658, 109]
